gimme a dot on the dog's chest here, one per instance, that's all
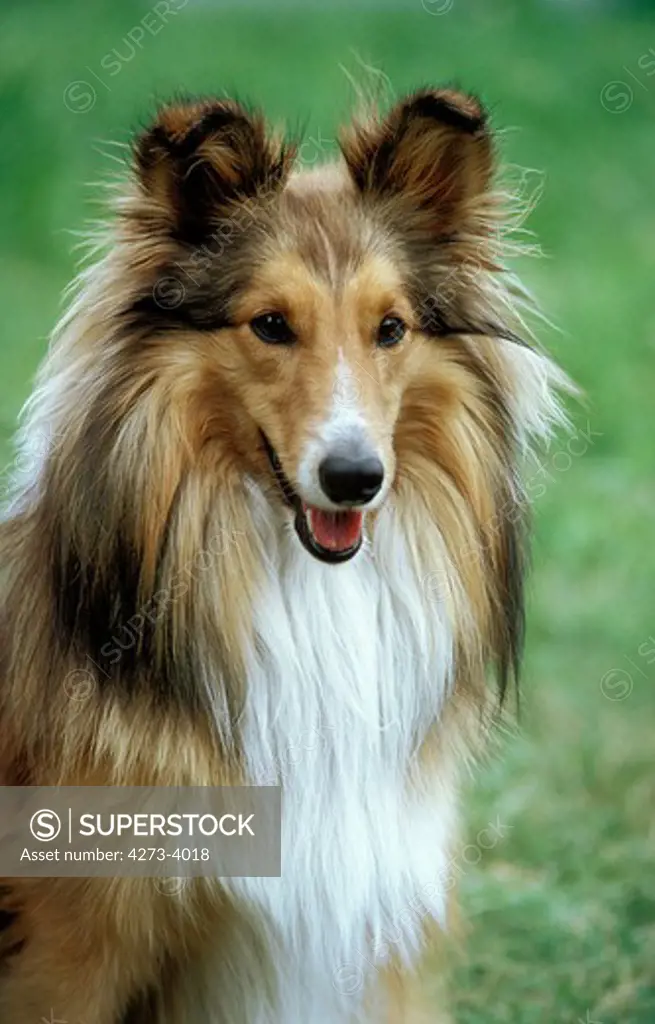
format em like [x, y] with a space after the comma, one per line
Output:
[348, 674]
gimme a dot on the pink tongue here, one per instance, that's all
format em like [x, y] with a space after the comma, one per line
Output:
[335, 531]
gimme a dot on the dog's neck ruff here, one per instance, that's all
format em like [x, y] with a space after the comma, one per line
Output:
[363, 646]
[347, 677]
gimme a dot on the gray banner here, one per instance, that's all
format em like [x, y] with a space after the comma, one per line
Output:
[132, 831]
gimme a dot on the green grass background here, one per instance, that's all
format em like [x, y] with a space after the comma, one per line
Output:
[561, 910]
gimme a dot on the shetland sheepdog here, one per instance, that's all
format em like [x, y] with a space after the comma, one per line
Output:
[274, 517]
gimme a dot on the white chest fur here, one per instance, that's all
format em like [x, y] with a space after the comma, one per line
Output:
[351, 667]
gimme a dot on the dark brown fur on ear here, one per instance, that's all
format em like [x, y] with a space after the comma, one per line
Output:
[434, 148]
[197, 158]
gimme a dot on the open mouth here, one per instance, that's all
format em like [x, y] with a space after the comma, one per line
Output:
[329, 536]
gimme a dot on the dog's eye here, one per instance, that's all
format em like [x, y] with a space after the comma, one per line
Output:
[391, 331]
[273, 329]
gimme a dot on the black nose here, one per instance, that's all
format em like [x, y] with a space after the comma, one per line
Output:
[350, 481]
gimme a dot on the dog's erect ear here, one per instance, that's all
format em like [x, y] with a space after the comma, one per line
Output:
[433, 148]
[198, 159]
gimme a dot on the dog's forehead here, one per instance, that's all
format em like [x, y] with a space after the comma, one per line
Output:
[324, 221]
[325, 179]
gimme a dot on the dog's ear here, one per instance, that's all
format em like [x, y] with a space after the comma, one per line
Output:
[198, 158]
[433, 148]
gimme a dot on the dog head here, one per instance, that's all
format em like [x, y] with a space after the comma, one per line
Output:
[343, 337]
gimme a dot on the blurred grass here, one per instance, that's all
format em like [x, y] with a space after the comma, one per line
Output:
[562, 911]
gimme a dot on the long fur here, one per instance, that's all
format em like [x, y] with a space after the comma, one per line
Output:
[146, 551]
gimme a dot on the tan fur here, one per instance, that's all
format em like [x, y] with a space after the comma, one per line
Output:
[153, 442]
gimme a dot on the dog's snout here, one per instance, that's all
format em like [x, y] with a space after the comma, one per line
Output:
[347, 481]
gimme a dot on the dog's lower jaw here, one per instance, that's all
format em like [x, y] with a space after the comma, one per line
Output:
[304, 517]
